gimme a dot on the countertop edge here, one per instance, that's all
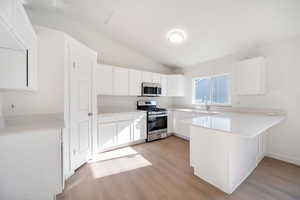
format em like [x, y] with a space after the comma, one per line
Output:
[281, 119]
[31, 123]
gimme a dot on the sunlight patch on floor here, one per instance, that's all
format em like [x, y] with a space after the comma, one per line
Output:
[117, 161]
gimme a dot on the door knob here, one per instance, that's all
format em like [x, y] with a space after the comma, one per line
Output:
[90, 114]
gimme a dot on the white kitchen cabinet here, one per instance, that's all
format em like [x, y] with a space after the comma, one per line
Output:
[107, 135]
[135, 82]
[262, 146]
[18, 44]
[120, 81]
[104, 79]
[7, 12]
[175, 85]
[13, 69]
[120, 129]
[139, 127]
[124, 131]
[182, 128]
[147, 77]
[250, 77]
[156, 78]
[170, 122]
[164, 85]
[31, 161]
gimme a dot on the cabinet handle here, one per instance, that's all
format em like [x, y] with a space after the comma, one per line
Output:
[27, 70]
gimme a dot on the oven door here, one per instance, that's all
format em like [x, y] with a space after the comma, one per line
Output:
[157, 123]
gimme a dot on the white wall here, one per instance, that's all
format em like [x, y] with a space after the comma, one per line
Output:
[283, 69]
[50, 95]
[0, 105]
[109, 51]
[128, 102]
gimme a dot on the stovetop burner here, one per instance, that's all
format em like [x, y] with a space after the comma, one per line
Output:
[149, 106]
[157, 109]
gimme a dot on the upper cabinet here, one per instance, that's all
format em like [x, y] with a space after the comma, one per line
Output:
[135, 82]
[147, 77]
[250, 76]
[175, 85]
[111, 80]
[120, 80]
[156, 78]
[104, 79]
[18, 48]
[164, 84]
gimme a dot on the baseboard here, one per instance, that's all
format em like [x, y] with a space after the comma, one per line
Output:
[181, 136]
[69, 174]
[284, 158]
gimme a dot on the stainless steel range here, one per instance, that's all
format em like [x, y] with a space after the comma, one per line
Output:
[157, 120]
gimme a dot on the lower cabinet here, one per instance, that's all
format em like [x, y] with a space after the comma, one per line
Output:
[180, 127]
[261, 146]
[31, 165]
[117, 130]
[124, 132]
[140, 127]
[170, 122]
[107, 133]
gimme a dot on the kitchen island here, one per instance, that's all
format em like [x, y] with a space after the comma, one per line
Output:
[225, 148]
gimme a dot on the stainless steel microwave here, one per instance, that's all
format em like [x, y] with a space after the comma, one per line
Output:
[151, 89]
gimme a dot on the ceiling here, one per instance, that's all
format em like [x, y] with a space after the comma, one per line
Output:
[214, 28]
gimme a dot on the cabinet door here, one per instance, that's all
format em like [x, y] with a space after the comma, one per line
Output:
[140, 129]
[250, 77]
[7, 12]
[175, 85]
[156, 78]
[180, 127]
[172, 85]
[32, 66]
[180, 85]
[104, 79]
[262, 146]
[107, 133]
[124, 132]
[164, 85]
[121, 82]
[13, 69]
[135, 82]
[170, 122]
[147, 77]
[23, 26]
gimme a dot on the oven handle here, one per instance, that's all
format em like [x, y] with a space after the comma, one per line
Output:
[155, 116]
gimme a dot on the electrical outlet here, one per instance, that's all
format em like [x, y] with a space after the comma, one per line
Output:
[12, 108]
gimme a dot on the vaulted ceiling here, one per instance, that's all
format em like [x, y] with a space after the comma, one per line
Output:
[214, 27]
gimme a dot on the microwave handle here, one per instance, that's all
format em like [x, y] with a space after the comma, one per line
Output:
[27, 68]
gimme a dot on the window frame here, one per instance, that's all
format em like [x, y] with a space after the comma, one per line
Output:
[211, 88]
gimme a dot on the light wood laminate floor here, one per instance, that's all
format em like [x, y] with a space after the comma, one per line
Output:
[160, 171]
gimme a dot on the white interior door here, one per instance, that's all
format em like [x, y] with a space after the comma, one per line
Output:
[80, 104]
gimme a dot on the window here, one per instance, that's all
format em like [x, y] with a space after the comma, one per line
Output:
[212, 90]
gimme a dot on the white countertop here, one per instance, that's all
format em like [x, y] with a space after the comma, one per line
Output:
[240, 124]
[193, 110]
[26, 123]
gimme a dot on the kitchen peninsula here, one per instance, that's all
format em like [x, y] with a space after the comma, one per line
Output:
[225, 148]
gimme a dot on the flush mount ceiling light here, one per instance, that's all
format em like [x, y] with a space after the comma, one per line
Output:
[176, 36]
